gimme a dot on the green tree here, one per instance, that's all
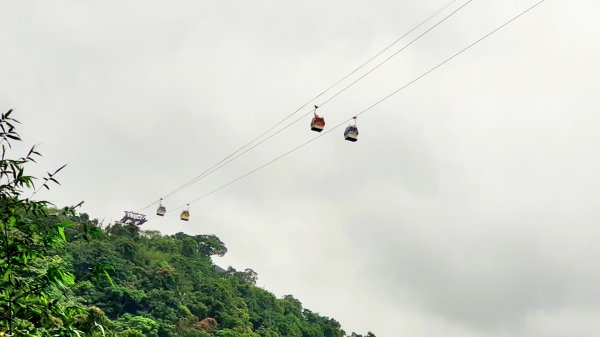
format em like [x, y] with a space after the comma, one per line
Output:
[147, 326]
[209, 245]
[33, 277]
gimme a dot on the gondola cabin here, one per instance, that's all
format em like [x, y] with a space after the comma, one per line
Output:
[317, 124]
[351, 133]
[185, 215]
[161, 210]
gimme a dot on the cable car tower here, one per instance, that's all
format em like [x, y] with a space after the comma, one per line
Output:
[133, 218]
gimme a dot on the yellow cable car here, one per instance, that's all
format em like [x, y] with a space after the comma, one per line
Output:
[185, 214]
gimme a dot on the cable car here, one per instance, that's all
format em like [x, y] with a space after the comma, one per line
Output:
[185, 214]
[161, 210]
[351, 132]
[318, 122]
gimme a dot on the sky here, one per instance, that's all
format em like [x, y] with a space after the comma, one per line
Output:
[467, 208]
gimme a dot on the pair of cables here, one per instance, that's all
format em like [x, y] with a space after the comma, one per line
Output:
[266, 135]
[252, 144]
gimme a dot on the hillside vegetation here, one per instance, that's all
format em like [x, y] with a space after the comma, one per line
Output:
[63, 275]
[168, 286]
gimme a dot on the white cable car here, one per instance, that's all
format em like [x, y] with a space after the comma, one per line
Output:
[318, 123]
[185, 214]
[161, 210]
[351, 132]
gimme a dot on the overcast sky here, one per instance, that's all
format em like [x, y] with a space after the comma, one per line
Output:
[467, 208]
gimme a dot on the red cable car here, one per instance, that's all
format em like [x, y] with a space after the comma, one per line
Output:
[318, 122]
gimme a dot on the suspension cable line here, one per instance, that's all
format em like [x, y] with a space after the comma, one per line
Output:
[247, 147]
[225, 162]
[366, 109]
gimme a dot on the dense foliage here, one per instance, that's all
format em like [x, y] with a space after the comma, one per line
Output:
[34, 277]
[168, 286]
[62, 275]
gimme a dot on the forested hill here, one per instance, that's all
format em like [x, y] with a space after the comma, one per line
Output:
[63, 275]
[167, 285]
